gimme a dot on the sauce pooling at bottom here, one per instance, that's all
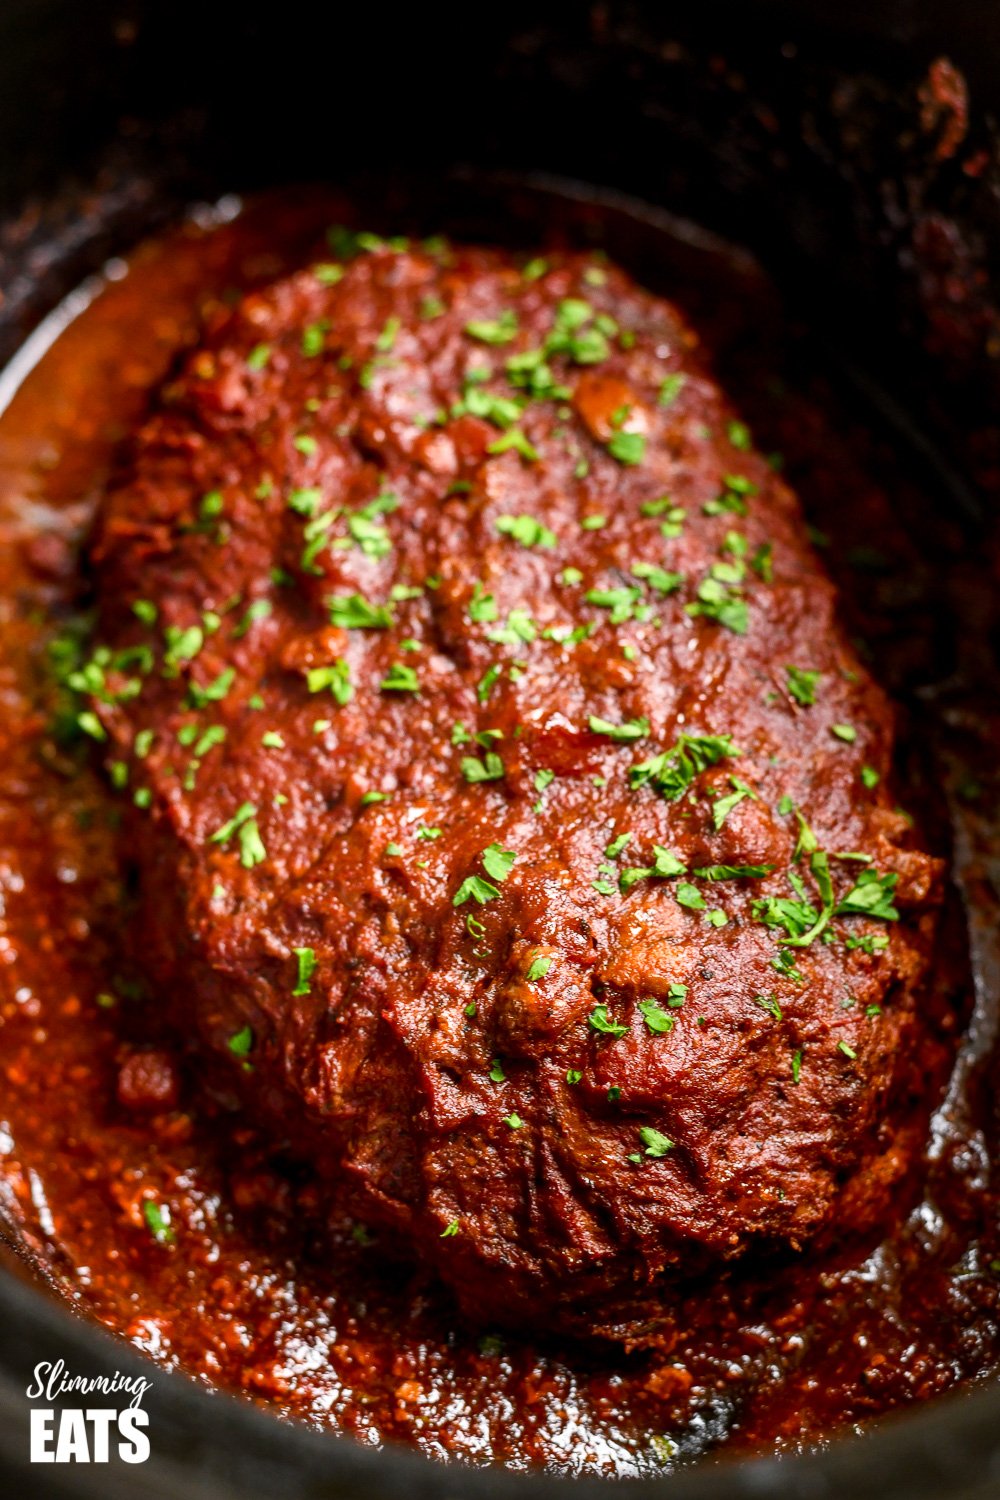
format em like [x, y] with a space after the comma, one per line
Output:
[199, 1246]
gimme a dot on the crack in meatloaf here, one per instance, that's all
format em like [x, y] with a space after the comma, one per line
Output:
[508, 809]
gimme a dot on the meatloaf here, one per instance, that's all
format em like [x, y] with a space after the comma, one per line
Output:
[509, 812]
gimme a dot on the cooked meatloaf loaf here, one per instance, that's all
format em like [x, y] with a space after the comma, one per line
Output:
[508, 809]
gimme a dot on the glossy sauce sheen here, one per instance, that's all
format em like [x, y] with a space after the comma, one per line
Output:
[192, 1237]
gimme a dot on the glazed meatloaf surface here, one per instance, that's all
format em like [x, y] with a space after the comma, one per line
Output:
[508, 810]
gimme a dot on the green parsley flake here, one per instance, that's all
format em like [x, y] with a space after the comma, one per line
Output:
[306, 967]
[157, 1217]
[716, 601]
[353, 612]
[723, 806]
[498, 861]
[475, 888]
[659, 579]
[526, 530]
[665, 865]
[240, 1043]
[400, 679]
[655, 1017]
[539, 967]
[516, 441]
[689, 895]
[672, 772]
[490, 768]
[670, 388]
[655, 1144]
[601, 1021]
[628, 448]
[632, 729]
[336, 677]
[501, 330]
[802, 684]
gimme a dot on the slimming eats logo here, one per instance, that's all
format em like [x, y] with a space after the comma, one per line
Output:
[89, 1433]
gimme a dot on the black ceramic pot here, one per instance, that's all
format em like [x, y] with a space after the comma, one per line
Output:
[798, 129]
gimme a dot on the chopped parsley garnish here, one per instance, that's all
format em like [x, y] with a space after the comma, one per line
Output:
[601, 1021]
[314, 338]
[632, 729]
[336, 677]
[252, 851]
[519, 627]
[305, 959]
[490, 768]
[259, 610]
[526, 530]
[659, 579]
[482, 607]
[514, 439]
[157, 1217]
[762, 562]
[240, 1043]
[501, 330]
[845, 732]
[244, 824]
[387, 337]
[182, 645]
[627, 448]
[665, 865]
[799, 918]
[498, 861]
[672, 772]
[723, 806]
[656, 1144]
[353, 612]
[670, 388]
[717, 601]
[689, 895]
[485, 684]
[539, 967]
[870, 778]
[802, 684]
[655, 1017]
[400, 679]
[474, 888]
[871, 896]
[623, 602]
